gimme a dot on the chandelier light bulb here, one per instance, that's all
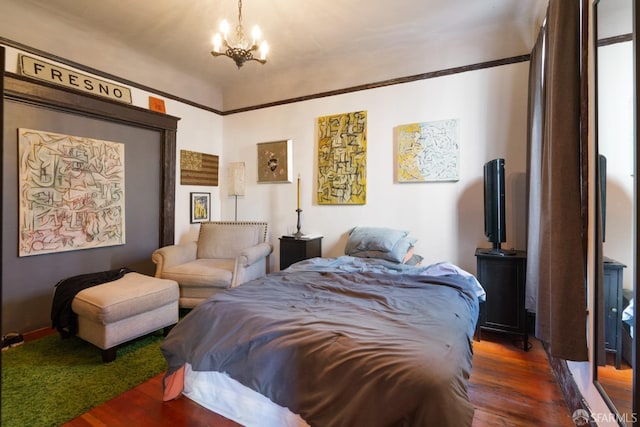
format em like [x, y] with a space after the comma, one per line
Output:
[236, 46]
[256, 34]
[224, 28]
[264, 49]
[217, 42]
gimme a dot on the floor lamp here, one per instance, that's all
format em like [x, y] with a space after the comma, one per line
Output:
[236, 182]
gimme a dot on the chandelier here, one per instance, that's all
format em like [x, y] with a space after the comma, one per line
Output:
[236, 46]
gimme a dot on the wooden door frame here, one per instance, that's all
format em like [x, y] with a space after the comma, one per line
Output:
[26, 90]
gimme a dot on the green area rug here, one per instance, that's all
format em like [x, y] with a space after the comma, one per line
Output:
[50, 381]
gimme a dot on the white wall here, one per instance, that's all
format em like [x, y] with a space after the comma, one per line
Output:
[200, 131]
[616, 143]
[447, 218]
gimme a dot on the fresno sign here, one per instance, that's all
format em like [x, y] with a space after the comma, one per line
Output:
[54, 74]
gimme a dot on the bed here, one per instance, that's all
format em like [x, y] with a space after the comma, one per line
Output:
[345, 341]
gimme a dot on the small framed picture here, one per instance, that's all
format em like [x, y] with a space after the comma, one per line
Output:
[200, 207]
[274, 161]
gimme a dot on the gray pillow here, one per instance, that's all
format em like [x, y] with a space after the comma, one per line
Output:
[373, 239]
[414, 260]
[397, 254]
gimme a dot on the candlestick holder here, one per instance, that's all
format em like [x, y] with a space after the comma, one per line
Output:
[298, 234]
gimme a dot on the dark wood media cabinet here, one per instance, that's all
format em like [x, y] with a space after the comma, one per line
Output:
[503, 278]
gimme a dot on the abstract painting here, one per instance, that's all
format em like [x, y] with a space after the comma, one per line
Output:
[72, 193]
[200, 207]
[274, 161]
[342, 159]
[428, 151]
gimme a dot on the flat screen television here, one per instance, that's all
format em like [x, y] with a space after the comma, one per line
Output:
[494, 206]
[602, 172]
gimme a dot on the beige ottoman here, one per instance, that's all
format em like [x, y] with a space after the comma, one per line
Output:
[116, 312]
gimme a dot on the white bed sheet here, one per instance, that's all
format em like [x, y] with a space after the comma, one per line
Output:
[223, 395]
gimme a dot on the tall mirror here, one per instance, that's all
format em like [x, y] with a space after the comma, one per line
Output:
[615, 115]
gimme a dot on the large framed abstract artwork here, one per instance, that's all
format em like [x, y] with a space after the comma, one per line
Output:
[274, 161]
[342, 159]
[72, 193]
[428, 152]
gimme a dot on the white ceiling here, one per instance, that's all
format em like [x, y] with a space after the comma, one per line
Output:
[315, 45]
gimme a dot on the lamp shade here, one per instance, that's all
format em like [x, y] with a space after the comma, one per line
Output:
[236, 179]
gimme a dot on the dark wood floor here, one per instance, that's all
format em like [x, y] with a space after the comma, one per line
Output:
[618, 384]
[508, 387]
[511, 387]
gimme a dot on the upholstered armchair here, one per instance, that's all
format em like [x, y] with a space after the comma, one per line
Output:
[226, 255]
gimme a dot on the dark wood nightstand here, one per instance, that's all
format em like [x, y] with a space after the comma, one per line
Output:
[503, 278]
[294, 250]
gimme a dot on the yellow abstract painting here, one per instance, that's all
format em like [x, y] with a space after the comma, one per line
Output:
[342, 159]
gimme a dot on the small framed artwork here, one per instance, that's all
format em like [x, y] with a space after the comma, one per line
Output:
[274, 161]
[200, 207]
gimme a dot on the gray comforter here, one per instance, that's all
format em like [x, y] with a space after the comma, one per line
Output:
[341, 348]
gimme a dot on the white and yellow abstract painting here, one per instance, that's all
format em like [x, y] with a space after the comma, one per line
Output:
[428, 152]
